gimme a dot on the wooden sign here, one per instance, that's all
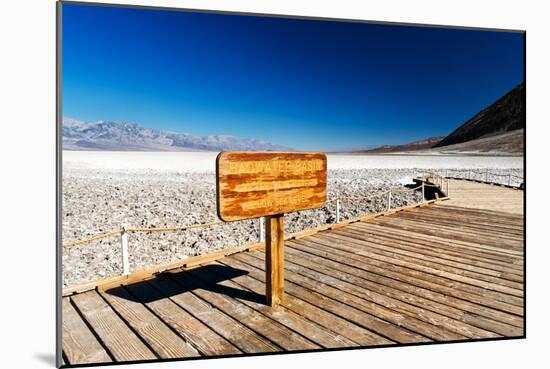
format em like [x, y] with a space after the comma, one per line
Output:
[269, 184]
[257, 184]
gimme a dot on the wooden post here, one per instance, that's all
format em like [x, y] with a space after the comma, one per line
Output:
[337, 210]
[487, 175]
[447, 187]
[124, 245]
[274, 259]
[509, 179]
[389, 200]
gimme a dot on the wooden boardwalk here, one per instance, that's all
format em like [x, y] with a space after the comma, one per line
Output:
[479, 195]
[433, 273]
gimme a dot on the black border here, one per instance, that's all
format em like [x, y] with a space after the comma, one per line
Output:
[58, 188]
[59, 193]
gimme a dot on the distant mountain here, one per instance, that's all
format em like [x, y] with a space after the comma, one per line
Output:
[115, 136]
[412, 146]
[504, 115]
[499, 128]
[506, 143]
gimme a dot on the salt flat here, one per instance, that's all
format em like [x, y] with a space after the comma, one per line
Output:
[205, 161]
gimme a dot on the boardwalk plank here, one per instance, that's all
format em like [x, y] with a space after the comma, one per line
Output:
[198, 334]
[150, 328]
[489, 282]
[434, 255]
[470, 240]
[218, 297]
[467, 301]
[79, 344]
[456, 232]
[436, 302]
[331, 321]
[121, 341]
[339, 307]
[298, 323]
[428, 275]
[239, 335]
[370, 303]
[445, 245]
[399, 301]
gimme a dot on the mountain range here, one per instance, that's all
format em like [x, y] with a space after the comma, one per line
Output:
[497, 128]
[117, 136]
[500, 127]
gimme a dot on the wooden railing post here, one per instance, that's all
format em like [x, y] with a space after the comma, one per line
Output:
[389, 200]
[124, 253]
[337, 210]
[274, 259]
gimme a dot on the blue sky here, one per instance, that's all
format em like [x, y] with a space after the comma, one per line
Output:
[306, 84]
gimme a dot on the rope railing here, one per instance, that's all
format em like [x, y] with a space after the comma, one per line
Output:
[472, 173]
[123, 232]
[204, 225]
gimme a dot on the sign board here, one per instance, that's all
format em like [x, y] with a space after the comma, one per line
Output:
[257, 184]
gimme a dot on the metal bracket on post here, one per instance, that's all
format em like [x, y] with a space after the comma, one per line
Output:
[337, 210]
[125, 258]
[274, 259]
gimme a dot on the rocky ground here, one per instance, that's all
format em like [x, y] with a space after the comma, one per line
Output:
[96, 201]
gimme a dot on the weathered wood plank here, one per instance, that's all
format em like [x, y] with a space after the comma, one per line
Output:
[479, 303]
[426, 310]
[339, 307]
[513, 281]
[79, 344]
[414, 251]
[382, 308]
[256, 184]
[150, 328]
[303, 308]
[501, 214]
[468, 220]
[298, 323]
[204, 339]
[502, 217]
[489, 282]
[445, 245]
[119, 339]
[239, 335]
[461, 224]
[218, 297]
[456, 234]
[428, 274]
[446, 305]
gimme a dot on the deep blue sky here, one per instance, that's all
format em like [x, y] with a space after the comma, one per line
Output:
[307, 84]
